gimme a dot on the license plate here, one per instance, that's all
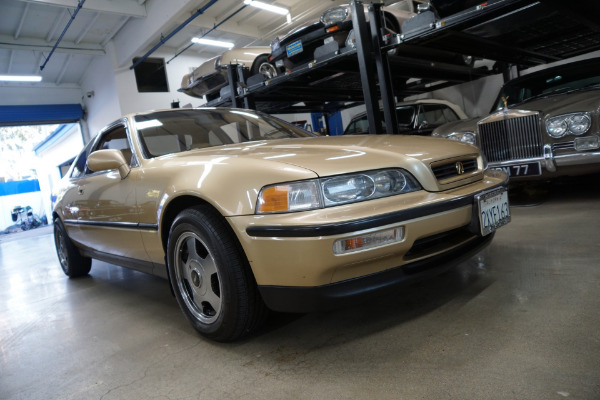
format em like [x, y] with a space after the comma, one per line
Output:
[294, 48]
[528, 169]
[494, 210]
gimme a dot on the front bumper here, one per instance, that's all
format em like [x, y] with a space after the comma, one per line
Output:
[557, 163]
[292, 256]
[354, 291]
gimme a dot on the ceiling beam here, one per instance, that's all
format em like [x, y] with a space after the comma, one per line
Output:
[86, 29]
[131, 8]
[21, 21]
[8, 42]
[57, 24]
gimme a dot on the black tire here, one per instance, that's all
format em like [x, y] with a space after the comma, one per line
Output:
[258, 61]
[71, 261]
[211, 277]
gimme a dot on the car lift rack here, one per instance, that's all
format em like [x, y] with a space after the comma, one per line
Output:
[524, 33]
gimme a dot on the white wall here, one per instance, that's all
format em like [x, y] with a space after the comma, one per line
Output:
[104, 106]
[132, 101]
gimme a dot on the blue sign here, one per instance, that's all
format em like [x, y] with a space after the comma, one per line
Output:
[294, 48]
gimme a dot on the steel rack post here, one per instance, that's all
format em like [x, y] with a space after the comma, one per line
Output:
[366, 66]
[248, 99]
[383, 69]
[232, 76]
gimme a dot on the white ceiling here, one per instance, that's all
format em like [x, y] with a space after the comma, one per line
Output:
[30, 28]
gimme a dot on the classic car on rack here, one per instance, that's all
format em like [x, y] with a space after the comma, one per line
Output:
[542, 125]
[334, 32]
[297, 48]
[208, 79]
[243, 212]
[416, 117]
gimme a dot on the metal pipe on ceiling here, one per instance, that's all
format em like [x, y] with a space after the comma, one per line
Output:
[209, 31]
[170, 35]
[62, 34]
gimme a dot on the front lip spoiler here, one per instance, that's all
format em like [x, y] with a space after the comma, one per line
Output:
[354, 291]
[362, 224]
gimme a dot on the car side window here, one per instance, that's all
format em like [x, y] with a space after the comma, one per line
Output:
[115, 138]
[449, 114]
[432, 114]
[81, 162]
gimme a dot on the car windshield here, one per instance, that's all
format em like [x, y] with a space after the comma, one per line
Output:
[547, 83]
[404, 114]
[167, 132]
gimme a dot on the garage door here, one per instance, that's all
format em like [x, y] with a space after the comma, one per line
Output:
[40, 114]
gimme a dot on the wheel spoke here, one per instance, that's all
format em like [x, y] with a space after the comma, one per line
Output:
[197, 274]
[211, 298]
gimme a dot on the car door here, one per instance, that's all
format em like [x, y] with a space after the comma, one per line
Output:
[103, 206]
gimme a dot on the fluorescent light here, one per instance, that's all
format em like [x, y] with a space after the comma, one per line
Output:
[209, 42]
[267, 7]
[21, 78]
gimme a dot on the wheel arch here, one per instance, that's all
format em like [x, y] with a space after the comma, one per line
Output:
[257, 61]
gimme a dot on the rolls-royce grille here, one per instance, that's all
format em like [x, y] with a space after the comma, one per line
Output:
[512, 139]
[452, 169]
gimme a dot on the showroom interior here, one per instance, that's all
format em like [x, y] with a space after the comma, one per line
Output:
[518, 319]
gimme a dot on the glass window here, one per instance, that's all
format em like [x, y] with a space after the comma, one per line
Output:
[180, 130]
[80, 163]
[116, 138]
[449, 114]
[432, 114]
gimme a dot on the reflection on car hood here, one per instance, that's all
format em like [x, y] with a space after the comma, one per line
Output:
[585, 100]
[336, 155]
[582, 100]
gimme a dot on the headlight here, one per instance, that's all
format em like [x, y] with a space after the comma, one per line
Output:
[333, 191]
[334, 15]
[568, 124]
[465, 137]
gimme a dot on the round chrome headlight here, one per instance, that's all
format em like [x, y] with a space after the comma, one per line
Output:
[464, 137]
[557, 127]
[568, 124]
[579, 124]
[334, 15]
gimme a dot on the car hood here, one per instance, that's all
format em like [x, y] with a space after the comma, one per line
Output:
[326, 156]
[583, 100]
[586, 100]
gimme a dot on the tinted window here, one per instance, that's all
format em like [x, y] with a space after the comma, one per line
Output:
[181, 130]
[449, 114]
[578, 76]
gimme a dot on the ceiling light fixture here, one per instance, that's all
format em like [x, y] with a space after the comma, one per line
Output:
[267, 7]
[20, 78]
[210, 42]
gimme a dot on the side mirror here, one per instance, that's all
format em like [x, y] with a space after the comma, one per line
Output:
[108, 159]
[423, 125]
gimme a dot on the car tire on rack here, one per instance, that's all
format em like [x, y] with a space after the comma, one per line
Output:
[211, 277]
[71, 261]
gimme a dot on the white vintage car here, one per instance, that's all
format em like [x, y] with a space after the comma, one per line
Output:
[208, 79]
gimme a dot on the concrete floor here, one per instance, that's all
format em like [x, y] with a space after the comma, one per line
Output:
[520, 321]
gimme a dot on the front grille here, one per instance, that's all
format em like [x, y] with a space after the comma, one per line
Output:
[511, 139]
[563, 146]
[450, 170]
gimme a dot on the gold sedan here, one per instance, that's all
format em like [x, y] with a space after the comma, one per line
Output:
[243, 212]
